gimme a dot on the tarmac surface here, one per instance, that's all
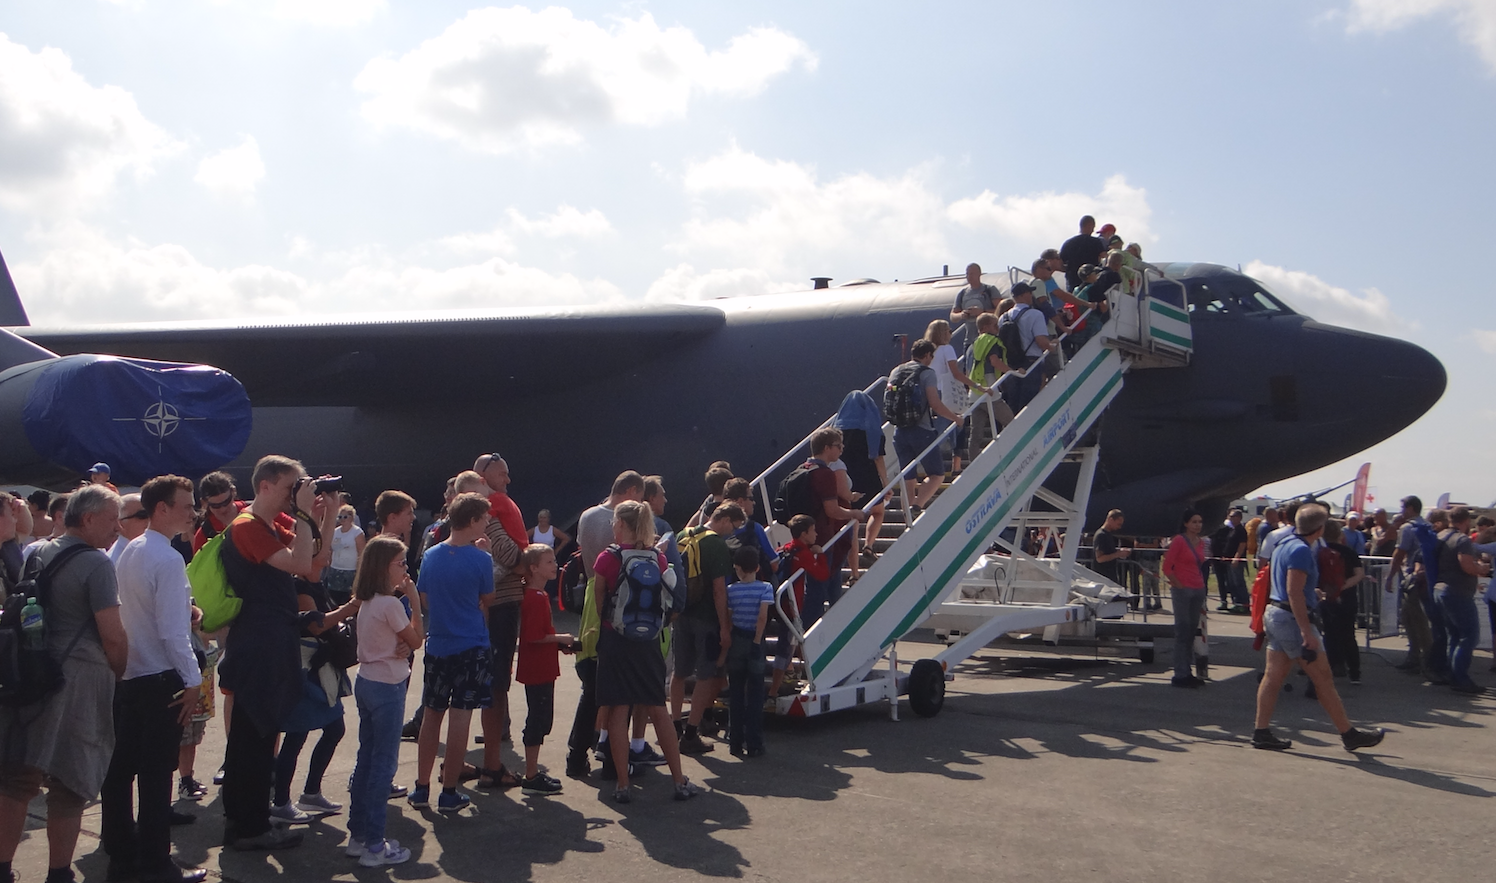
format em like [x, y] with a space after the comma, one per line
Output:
[1043, 764]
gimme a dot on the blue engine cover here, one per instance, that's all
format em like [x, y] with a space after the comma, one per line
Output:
[143, 418]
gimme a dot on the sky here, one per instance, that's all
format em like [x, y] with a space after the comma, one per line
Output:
[218, 159]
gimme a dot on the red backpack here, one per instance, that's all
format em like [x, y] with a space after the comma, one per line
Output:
[1331, 573]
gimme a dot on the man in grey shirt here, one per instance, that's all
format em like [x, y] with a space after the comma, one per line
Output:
[64, 742]
[973, 300]
[1454, 596]
[595, 527]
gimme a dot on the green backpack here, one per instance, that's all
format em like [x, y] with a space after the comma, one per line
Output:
[211, 591]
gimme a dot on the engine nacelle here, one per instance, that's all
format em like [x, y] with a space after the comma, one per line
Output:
[60, 415]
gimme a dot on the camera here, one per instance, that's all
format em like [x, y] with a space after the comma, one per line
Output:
[325, 484]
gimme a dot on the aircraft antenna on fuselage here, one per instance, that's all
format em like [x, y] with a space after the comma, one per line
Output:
[11, 311]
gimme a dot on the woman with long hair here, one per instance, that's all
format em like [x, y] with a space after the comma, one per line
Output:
[952, 382]
[1184, 566]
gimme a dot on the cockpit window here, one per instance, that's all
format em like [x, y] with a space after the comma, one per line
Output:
[1236, 295]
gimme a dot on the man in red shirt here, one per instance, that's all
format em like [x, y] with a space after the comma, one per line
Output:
[506, 537]
[262, 652]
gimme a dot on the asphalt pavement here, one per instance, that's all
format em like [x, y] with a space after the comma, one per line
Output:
[1042, 764]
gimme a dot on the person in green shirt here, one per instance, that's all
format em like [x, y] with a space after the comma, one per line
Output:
[987, 367]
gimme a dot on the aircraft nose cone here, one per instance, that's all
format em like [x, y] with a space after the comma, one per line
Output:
[1385, 383]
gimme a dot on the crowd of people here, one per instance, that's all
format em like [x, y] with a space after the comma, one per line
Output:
[323, 611]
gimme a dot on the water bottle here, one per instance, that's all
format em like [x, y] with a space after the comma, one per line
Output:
[32, 627]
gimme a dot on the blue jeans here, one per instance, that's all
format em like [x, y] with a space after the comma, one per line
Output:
[1189, 605]
[745, 692]
[1462, 622]
[1437, 661]
[381, 710]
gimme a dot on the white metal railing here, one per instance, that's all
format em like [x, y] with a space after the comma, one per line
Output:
[795, 624]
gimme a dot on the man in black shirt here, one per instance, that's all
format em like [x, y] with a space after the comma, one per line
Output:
[1227, 545]
[1340, 606]
[1108, 551]
[1081, 249]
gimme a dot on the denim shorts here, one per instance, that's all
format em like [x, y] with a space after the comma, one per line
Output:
[1283, 632]
[910, 441]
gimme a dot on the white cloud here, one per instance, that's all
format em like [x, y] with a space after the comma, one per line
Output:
[334, 13]
[83, 273]
[683, 283]
[1484, 339]
[234, 171]
[797, 222]
[1474, 20]
[565, 221]
[1368, 311]
[498, 79]
[63, 142]
[1048, 218]
[495, 241]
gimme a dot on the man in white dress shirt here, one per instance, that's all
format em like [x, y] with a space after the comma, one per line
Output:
[159, 691]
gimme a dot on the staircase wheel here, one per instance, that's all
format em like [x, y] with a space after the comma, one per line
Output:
[926, 688]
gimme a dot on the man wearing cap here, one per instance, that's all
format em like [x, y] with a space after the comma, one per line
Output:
[973, 300]
[99, 474]
[506, 537]
[1034, 336]
[1083, 248]
[1352, 536]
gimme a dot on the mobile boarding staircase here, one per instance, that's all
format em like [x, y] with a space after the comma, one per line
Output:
[849, 653]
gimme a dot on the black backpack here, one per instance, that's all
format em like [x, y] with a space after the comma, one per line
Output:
[794, 496]
[27, 675]
[572, 583]
[748, 536]
[1011, 336]
[903, 405]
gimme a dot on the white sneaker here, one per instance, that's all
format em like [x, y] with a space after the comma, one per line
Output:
[317, 805]
[287, 814]
[355, 848]
[389, 853]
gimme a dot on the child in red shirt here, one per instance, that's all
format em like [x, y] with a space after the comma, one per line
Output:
[800, 553]
[539, 665]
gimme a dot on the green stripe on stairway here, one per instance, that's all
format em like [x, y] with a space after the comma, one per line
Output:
[1172, 312]
[1175, 339]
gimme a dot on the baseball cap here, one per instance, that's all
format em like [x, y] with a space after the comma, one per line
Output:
[1353, 514]
[100, 468]
[1087, 269]
[1022, 288]
[1107, 230]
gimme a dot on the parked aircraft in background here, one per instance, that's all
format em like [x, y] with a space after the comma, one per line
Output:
[571, 396]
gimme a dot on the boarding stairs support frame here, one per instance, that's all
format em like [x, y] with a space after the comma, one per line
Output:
[918, 575]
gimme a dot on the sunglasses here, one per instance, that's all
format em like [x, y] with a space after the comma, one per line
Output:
[223, 505]
[141, 515]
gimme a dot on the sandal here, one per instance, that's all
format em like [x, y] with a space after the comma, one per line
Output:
[469, 772]
[499, 778]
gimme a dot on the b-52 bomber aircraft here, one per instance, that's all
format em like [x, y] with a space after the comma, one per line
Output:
[571, 396]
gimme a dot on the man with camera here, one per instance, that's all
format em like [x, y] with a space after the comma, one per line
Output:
[262, 653]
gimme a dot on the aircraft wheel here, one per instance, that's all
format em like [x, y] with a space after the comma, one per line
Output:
[926, 688]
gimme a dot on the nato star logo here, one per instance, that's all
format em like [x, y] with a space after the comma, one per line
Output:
[161, 419]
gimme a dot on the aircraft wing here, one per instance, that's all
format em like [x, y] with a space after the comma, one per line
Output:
[386, 358]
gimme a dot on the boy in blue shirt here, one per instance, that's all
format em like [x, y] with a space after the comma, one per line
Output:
[748, 602]
[457, 584]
